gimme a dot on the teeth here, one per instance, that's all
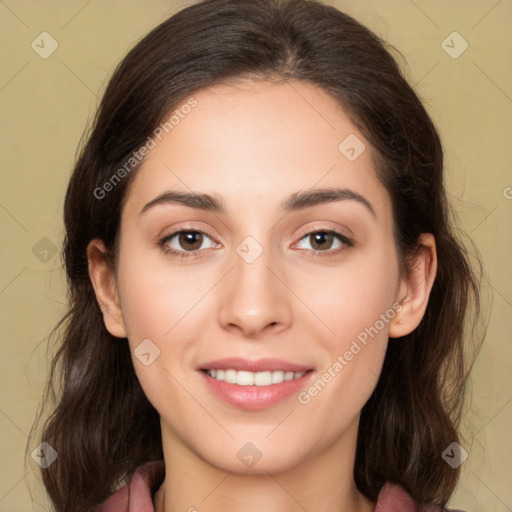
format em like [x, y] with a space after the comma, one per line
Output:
[243, 378]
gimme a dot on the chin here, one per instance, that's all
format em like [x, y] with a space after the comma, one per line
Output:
[254, 459]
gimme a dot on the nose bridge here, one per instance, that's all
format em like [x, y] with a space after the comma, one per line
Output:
[254, 297]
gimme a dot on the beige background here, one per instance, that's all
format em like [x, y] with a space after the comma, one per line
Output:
[45, 104]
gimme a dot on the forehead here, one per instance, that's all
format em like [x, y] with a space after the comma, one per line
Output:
[253, 140]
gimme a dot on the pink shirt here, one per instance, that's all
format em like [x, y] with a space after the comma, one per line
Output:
[138, 495]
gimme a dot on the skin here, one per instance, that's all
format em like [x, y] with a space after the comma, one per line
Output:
[254, 144]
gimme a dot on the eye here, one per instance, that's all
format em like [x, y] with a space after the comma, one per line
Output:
[184, 243]
[322, 241]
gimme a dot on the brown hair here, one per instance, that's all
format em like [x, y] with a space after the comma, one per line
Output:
[103, 426]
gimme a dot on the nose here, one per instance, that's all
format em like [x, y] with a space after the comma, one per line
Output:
[254, 297]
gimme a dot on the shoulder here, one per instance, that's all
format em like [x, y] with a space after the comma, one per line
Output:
[137, 496]
[394, 498]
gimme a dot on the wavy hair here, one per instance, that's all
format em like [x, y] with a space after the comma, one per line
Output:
[102, 424]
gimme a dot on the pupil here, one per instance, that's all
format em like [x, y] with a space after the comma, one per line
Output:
[318, 239]
[190, 239]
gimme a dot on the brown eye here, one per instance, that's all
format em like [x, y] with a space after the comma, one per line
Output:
[324, 241]
[185, 243]
[190, 240]
[321, 240]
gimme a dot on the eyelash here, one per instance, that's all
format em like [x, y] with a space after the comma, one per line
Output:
[316, 253]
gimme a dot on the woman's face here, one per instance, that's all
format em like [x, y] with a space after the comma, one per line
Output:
[253, 277]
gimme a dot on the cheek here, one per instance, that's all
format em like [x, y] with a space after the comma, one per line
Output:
[155, 299]
[353, 359]
[156, 296]
[356, 304]
[161, 303]
[351, 298]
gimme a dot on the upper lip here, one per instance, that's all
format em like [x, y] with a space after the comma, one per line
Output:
[258, 365]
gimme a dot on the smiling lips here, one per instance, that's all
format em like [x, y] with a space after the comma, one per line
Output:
[254, 385]
[243, 378]
[260, 365]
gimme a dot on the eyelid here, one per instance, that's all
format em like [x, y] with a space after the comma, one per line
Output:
[315, 229]
[346, 242]
[303, 233]
[184, 229]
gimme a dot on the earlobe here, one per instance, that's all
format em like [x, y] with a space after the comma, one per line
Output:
[414, 290]
[102, 276]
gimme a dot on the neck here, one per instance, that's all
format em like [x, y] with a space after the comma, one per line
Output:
[323, 482]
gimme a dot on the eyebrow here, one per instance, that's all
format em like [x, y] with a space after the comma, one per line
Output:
[296, 201]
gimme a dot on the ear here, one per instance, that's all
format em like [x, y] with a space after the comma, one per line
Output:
[102, 274]
[414, 289]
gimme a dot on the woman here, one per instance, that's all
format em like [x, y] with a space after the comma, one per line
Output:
[267, 297]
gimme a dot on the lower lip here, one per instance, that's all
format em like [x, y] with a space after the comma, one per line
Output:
[255, 397]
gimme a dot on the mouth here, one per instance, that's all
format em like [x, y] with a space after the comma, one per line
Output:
[245, 378]
[254, 385]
